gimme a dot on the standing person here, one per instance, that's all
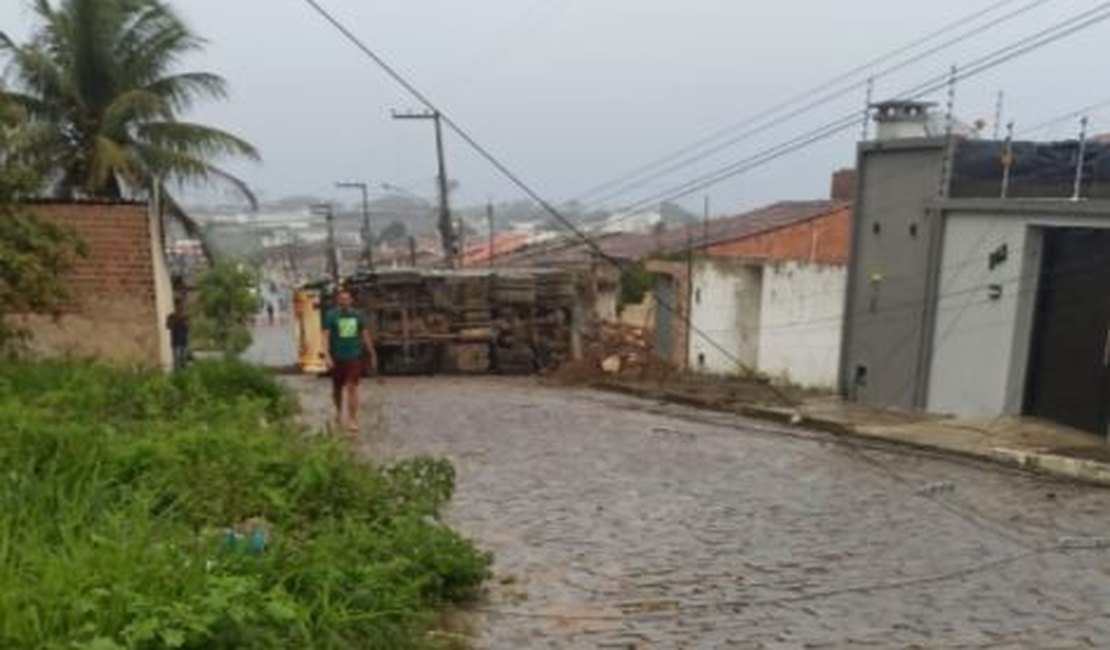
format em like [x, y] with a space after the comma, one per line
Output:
[270, 312]
[178, 325]
[346, 342]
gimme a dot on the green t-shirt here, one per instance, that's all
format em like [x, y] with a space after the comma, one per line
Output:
[345, 328]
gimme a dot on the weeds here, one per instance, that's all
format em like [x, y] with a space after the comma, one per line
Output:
[126, 497]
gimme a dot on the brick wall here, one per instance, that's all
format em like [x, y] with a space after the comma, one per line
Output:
[823, 239]
[843, 185]
[118, 289]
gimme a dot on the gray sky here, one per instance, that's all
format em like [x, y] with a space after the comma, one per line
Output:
[572, 93]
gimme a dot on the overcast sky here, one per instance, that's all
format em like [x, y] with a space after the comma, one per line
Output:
[573, 93]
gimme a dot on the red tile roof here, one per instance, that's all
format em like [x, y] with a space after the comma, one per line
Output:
[636, 246]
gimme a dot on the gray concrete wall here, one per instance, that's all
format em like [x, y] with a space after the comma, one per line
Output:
[974, 341]
[893, 238]
[981, 344]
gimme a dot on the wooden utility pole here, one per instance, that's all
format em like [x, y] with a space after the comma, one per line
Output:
[367, 232]
[446, 227]
[331, 255]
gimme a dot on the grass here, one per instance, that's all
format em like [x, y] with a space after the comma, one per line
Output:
[134, 507]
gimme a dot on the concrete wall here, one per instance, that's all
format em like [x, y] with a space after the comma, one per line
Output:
[120, 293]
[801, 322]
[725, 309]
[671, 309]
[974, 336]
[821, 239]
[894, 237]
[981, 345]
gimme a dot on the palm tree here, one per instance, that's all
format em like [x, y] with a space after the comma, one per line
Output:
[99, 84]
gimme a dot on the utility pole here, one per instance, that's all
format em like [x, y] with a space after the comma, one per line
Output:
[446, 227]
[489, 219]
[367, 233]
[331, 255]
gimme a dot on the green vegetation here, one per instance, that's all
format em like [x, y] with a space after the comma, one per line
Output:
[225, 303]
[34, 255]
[99, 83]
[635, 282]
[123, 491]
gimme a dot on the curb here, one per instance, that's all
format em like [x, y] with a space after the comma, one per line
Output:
[1055, 465]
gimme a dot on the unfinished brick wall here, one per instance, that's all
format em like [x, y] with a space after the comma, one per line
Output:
[823, 239]
[118, 303]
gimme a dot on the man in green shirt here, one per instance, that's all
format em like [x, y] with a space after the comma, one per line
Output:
[347, 342]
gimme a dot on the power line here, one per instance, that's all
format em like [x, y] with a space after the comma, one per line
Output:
[697, 184]
[793, 100]
[1063, 117]
[977, 66]
[757, 125]
[557, 246]
[509, 174]
[971, 69]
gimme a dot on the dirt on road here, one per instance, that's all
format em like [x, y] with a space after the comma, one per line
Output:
[617, 522]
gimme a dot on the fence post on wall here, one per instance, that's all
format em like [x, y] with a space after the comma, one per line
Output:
[1075, 195]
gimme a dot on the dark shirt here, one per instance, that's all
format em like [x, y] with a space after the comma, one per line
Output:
[178, 325]
[345, 328]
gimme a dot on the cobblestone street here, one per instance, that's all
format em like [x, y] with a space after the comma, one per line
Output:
[621, 523]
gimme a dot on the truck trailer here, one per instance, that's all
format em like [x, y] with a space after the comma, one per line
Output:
[461, 321]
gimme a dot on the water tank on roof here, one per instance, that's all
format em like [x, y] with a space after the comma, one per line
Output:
[901, 119]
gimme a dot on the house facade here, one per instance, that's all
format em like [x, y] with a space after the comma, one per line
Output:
[764, 296]
[978, 289]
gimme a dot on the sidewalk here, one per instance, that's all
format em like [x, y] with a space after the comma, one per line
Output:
[1026, 443]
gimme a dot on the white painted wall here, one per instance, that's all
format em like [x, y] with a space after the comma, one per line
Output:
[802, 318]
[725, 308]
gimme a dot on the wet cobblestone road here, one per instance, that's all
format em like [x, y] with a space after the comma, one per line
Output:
[621, 523]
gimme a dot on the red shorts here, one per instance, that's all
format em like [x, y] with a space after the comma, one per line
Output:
[346, 372]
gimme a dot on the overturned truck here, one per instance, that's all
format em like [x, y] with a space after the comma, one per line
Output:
[467, 321]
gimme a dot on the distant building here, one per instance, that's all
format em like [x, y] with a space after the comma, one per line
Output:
[504, 244]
